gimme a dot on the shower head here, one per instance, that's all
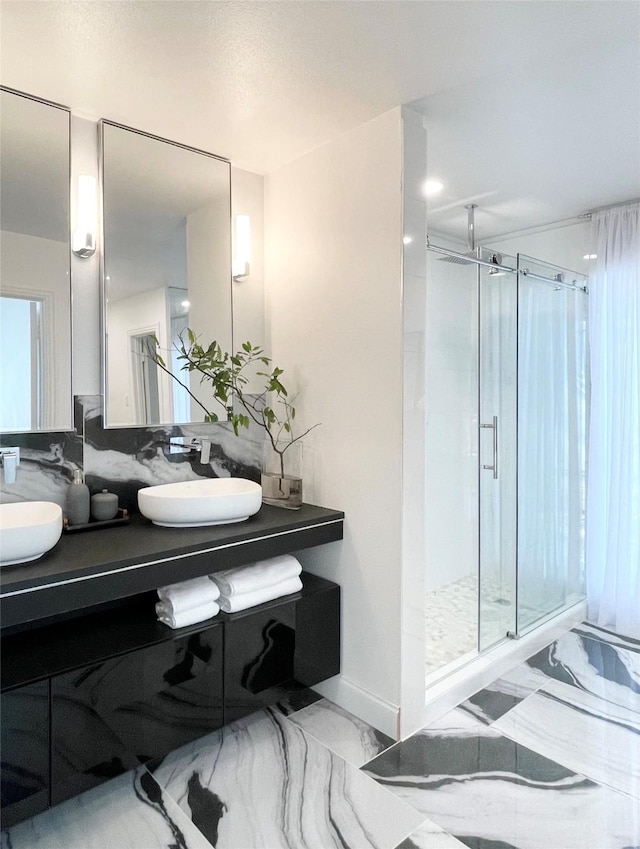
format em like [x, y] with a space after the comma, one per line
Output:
[471, 232]
[458, 260]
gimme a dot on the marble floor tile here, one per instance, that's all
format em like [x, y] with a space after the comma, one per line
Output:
[606, 636]
[492, 793]
[598, 738]
[349, 737]
[457, 721]
[505, 693]
[129, 812]
[430, 836]
[263, 783]
[607, 670]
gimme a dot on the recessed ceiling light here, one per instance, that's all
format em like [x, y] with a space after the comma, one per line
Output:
[407, 240]
[432, 187]
[590, 256]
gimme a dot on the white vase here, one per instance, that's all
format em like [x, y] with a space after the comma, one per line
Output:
[282, 487]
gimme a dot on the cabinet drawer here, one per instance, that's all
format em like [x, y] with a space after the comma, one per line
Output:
[272, 647]
[108, 717]
[24, 771]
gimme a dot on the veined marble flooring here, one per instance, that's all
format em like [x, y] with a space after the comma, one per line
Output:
[547, 757]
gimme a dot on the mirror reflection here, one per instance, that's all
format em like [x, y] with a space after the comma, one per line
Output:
[167, 265]
[35, 294]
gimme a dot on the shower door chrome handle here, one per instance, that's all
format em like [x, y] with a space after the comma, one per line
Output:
[494, 428]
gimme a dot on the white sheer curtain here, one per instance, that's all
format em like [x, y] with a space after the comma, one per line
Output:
[552, 370]
[613, 511]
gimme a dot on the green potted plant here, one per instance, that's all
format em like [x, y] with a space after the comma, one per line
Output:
[271, 408]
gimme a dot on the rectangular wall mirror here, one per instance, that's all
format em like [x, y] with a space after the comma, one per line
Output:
[166, 267]
[35, 289]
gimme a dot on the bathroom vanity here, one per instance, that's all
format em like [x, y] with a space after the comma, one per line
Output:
[93, 685]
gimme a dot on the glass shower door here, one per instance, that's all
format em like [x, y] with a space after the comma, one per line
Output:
[498, 309]
[552, 415]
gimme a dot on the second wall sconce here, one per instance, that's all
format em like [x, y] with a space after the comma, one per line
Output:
[83, 238]
[240, 266]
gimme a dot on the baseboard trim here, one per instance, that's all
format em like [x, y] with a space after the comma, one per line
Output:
[378, 712]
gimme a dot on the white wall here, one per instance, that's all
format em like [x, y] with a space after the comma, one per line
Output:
[334, 323]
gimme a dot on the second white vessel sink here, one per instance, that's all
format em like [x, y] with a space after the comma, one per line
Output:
[192, 504]
[28, 529]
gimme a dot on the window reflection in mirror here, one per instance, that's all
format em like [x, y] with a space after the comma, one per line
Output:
[167, 265]
[35, 294]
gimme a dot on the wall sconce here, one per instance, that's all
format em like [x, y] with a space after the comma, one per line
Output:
[241, 248]
[83, 239]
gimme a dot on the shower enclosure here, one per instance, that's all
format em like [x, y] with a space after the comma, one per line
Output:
[506, 430]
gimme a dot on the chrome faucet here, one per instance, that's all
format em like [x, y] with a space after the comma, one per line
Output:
[179, 445]
[205, 449]
[9, 460]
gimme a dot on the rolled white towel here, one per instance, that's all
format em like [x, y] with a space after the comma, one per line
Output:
[185, 595]
[256, 576]
[186, 617]
[242, 601]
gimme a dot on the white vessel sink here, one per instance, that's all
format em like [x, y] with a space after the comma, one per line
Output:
[192, 504]
[28, 529]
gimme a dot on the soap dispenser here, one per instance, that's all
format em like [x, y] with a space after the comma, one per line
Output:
[78, 500]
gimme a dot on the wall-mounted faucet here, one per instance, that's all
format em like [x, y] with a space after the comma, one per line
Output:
[178, 445]
[9, 460]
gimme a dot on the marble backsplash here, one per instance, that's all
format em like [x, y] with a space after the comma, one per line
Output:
[123, 460]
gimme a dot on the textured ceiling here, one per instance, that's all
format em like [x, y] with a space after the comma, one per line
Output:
[262, 83]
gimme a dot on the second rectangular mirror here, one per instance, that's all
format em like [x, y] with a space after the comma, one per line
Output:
[167, 265]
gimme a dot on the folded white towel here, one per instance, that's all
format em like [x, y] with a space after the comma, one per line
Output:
[256, 576]
[242, 601]
[186, 617]
[188, 594]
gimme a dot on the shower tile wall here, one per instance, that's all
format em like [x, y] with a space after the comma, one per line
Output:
[122, 460]
[451, 474]
[452, 420]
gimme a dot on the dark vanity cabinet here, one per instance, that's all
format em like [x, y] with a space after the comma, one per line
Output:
[24, 752]
[118, 689]
[92, 685]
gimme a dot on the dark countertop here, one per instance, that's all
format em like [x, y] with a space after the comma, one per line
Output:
[97, 566]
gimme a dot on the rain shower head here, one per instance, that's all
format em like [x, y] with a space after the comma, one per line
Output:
[471, 233]
[458, 260]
